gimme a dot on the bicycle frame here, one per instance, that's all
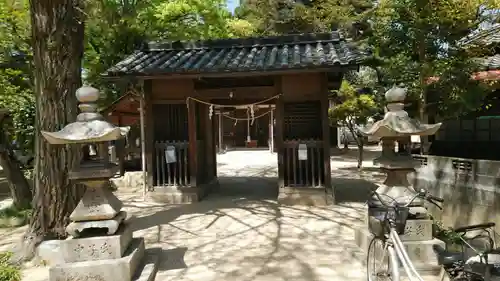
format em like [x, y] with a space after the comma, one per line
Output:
[481, 256]
[398, 256]
[393, 246]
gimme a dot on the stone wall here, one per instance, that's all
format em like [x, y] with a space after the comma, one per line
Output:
[470, 188]
[130, 180]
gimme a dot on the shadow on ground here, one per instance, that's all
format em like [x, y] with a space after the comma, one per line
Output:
[237, 237]
[248, 187]
[352, 190]
[240, 232]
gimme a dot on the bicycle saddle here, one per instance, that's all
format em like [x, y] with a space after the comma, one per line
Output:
[446, 257]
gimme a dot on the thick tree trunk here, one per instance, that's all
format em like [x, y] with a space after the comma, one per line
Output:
[58, 34]
[20, 189]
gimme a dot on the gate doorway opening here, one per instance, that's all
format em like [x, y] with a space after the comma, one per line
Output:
[247, 166]
[245, 127]
[247, 173]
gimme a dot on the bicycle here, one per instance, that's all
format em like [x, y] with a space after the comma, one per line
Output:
[475, 268]
[386, 230]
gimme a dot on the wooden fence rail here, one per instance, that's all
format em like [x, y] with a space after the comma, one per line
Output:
[303, 173]
[174, 173]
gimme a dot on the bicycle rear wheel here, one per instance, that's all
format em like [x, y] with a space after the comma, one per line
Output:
[378, 262]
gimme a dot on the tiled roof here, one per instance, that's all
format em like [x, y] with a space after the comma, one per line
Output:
[319, 50]
[485, 37]
[490, 63]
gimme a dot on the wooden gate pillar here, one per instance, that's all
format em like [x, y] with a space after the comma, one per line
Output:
[279, 133]
[149, 138]
[325, 124]
[193, 149]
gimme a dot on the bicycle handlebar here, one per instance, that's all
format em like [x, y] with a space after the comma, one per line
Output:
[422, 194]
[434, 198]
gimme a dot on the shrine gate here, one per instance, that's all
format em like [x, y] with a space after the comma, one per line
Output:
[187, 84]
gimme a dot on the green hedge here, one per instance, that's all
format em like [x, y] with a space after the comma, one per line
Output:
[8, 272]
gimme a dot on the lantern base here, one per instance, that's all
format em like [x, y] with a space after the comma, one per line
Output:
[76, 229]
[397, 187]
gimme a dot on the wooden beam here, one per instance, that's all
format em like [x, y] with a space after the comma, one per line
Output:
[344, 68]
[124, 113]
[208, 139]
[214, 151]
[325, 125]
[221, 135]
[120, 147]
[237, 93]
[279, 132]
[271, 129]
[162, 101]
[241, 101]
[150, 138]
[193, 153]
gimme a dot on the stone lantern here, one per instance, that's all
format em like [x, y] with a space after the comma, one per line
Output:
[101, 246]
[397, 128]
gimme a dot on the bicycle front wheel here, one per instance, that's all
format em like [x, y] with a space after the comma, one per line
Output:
[378, 266]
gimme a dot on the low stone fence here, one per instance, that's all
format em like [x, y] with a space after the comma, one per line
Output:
[470, 188]
[129, 181]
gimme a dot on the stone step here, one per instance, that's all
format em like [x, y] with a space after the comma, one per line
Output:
[149, 266]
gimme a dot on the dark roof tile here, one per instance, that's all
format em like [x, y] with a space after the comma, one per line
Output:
[243, 55]
[490, 63]
[485, 37]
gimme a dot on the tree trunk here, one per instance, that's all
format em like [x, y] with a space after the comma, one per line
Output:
[20, 189]
[57, 34]
[360, 154]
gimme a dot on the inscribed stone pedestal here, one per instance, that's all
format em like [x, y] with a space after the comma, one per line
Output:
[97, 248]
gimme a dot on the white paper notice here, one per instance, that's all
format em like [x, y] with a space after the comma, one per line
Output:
[302, 152]
[170, 155]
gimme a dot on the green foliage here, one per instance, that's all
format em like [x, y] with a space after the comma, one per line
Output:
[415, 39]
[198, 19]
[14, 30]
[354, 108]
[287, 16]
[12, 211]
[15, 76]
[114, 29]
[8, 272]
[446, 234]
[21, 106]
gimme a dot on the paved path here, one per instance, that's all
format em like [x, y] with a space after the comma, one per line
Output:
[241, 239]
[242, 234]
